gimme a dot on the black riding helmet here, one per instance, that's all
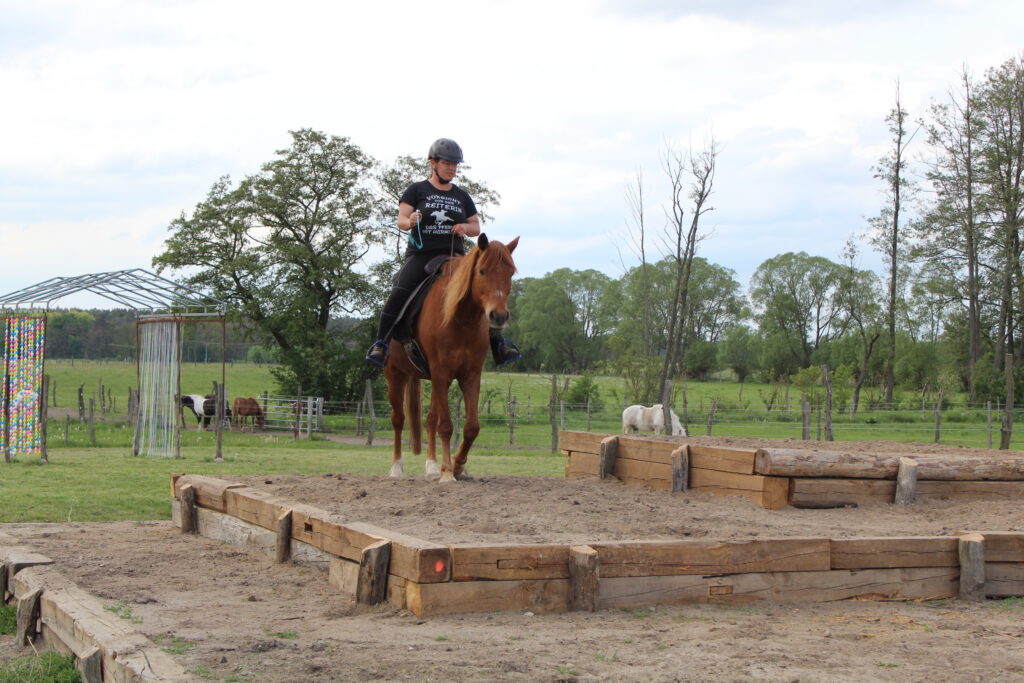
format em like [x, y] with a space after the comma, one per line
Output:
[443, 148]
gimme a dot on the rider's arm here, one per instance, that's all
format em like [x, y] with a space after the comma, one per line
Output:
[407, 215]
[471, 228]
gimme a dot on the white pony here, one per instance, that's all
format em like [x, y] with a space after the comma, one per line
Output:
[644, 419]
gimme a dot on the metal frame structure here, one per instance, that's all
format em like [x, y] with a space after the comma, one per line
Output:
[137, 289]
[153, 298]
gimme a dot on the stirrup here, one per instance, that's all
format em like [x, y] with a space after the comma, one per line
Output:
[504, 352]
[378, 353]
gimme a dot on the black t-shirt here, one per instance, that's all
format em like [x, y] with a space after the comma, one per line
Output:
[440, 209]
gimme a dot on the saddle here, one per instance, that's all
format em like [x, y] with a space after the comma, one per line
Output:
[404, 330]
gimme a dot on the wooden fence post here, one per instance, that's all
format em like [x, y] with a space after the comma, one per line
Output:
[711, 414]
[805, 409]
[371, 417]
[551, 413]
[828, 403]
[43, 420]
[1006, 431]
[92, 422]
[938, 418]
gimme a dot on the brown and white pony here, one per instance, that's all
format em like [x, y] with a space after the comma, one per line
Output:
[469, 297]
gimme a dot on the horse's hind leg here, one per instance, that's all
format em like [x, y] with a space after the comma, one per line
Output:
[430, 466]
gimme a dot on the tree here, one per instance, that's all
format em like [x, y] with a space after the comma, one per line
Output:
[547, 328]
[858, 295]
[797, 308]
[287, 249]
[737, 351]
[950, 233]
[682, 240]
[887, 227]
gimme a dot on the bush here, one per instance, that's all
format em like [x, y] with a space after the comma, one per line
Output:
[582, 390]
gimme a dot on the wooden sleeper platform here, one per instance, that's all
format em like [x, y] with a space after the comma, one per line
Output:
[373, 564]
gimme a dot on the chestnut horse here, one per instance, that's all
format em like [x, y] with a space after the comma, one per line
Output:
[247, 408]
[469, 297]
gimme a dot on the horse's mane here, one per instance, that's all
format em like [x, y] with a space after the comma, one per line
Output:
[461, 271]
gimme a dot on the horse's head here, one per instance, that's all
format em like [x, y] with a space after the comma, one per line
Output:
[492, 279]
[485, 276]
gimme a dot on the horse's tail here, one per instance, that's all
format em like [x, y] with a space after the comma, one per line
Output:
[413, 413]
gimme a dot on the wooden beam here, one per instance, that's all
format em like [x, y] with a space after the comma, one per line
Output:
[283, 551]
[500, 562]
[668, 558]
[882, 553]
[681, 469]
[738, 460]
[831, 493]
[608, 447]
[583, 442]
[972, 567]
[582, 465]
[372, 582]
[210, 491]
[189, 524]
[639, 473]
[906, 482]
[541, 597]
[584, 579]
[90, 665]
[825, 586]
[770, 492]
[791, 462]
[1001, 546]
[27, 616]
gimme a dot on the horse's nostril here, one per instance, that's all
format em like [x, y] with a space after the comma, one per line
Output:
[498, 319]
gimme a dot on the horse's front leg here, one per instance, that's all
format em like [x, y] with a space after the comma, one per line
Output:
[471, 427]
[396, 397]
[442, 420]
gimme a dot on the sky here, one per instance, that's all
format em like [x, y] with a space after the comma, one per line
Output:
[118, 115]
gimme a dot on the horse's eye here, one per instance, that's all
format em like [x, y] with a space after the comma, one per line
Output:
[482, 271]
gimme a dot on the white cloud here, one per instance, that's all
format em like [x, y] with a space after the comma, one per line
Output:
[120, 114]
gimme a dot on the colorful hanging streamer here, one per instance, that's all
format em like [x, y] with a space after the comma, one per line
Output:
[23, 343]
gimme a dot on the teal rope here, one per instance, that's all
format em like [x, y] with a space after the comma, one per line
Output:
[418, 245]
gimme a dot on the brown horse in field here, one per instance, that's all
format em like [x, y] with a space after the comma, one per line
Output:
[243, 408]
[469, 297]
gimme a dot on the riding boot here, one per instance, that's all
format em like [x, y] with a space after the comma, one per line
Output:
[378, 353]
[503, 350]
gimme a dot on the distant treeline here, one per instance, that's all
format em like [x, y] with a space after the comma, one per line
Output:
[102, 334]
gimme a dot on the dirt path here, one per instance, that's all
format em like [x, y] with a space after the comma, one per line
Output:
[224, 612]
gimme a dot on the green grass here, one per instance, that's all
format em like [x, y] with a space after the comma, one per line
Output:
[46, 667]
[8, 620]
[107, 484]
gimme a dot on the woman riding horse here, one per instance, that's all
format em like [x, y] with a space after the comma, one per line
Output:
[437, 214]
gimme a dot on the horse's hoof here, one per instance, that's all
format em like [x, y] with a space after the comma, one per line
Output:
[464, 476]
[446, 478]
[397, 472]
[431, 468]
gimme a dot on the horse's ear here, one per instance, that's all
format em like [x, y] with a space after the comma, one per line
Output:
[482, 242]
[512, 245]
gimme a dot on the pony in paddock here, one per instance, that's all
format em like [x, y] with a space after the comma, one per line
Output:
[210, 410]
[194, 403]
[246, 408]
[469, 297]
[644, 419]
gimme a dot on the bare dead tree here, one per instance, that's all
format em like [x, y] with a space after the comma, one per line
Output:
[691, 180]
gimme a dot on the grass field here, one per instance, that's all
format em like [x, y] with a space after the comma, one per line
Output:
[739, 409]
[105, 482]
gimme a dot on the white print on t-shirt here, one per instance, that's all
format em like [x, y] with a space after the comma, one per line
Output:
[441, 217]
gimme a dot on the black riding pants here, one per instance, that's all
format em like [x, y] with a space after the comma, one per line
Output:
[409, 276]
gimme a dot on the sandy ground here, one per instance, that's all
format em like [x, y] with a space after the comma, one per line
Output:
[224, 612]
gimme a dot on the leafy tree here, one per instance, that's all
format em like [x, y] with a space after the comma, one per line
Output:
[547, 327]
[737, 351]
[287, 248]
[797, 307]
